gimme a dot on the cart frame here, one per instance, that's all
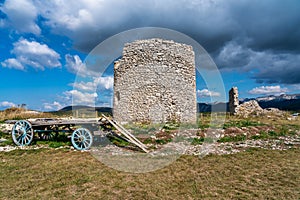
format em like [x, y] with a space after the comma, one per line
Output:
[81, 138]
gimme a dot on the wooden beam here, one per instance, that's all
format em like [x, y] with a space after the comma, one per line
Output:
[130, 134]
[126, 135]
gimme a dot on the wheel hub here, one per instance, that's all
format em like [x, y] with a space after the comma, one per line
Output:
[23, 132]
[81, 139]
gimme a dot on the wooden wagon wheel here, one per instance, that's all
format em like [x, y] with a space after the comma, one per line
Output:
[82, 139]
[49, 135]
[22, 133]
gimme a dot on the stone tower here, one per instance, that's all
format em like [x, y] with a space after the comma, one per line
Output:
[155, 82]
[233, 100]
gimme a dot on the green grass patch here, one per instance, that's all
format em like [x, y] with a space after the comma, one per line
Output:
[53, 144]
[8, 138]
[163, 141]
[241, 123]
[4, 135]
[284, 130]
[171, 126]
[9, 141]
[262, 135]
[197, 141]
[200, 141]
[143, 128]
[118, 141]
[202, 125]
[272, 134]
[147, 141]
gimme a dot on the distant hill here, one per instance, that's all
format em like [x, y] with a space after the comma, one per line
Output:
[282, 102]
[215, 107]
[290, 102]
[80, 107]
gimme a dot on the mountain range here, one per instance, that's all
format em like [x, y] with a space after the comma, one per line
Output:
[288, 102]
[87, 108]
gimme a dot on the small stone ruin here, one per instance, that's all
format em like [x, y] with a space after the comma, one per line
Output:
[155, 82]
[233, 100]
[249, 108]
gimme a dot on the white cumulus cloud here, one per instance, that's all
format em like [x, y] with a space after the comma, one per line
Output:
[105, 82]
[21, 14]
[268, 90]
[85, 86]
[207, 93]
[7, 104]
[98, 83]
[75, 65]
[32, 54]
[12, 63]
[53, 106]
[81, 98]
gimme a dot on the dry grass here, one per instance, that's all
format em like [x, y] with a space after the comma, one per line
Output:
[285, 119]
[238, 121]
[20, 113]
[65, 174]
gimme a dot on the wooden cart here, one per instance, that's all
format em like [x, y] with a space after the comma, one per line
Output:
[81, 137]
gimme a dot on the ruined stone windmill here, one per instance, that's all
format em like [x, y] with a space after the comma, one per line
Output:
[155, 82]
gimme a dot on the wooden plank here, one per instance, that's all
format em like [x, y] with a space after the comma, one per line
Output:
[58, 121]
[125, 134]
[130, 134]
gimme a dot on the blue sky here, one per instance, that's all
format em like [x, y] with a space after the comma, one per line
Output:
[43, 45]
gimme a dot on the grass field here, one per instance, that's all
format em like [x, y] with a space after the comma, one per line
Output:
[67, 174]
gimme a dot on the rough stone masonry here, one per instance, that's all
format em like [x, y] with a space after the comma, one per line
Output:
[249, 108]
[154, 82]
[233, 100]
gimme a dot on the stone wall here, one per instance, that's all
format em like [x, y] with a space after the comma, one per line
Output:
[155, 82]
[233, 100]
[249, 108]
